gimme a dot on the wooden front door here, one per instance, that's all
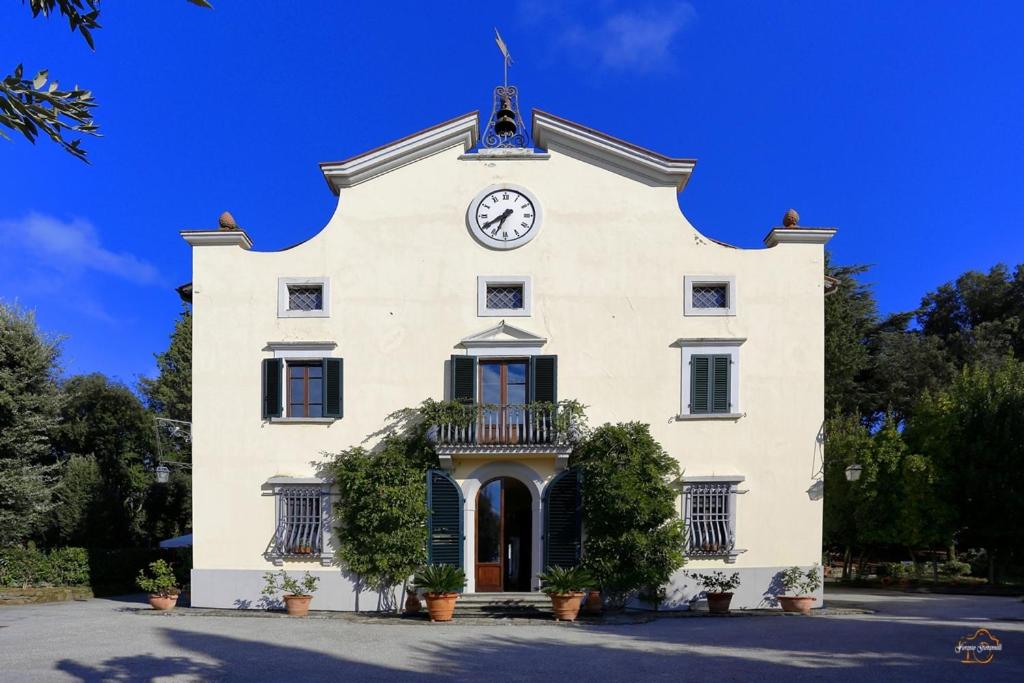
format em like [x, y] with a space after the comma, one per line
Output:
[503, 536]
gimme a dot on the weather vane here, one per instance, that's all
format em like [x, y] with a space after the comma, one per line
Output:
[505, 127]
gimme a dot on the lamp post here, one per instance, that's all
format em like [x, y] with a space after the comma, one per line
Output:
[178, 428]
[853, 472]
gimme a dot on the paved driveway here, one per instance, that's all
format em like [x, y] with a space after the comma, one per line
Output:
[911, 637]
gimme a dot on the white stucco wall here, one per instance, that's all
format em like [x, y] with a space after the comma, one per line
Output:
[607, 270]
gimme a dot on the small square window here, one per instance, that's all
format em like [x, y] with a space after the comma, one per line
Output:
[506, 297]
[710, 296]
[305, 297]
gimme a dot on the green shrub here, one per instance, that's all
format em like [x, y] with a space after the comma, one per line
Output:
[159, 580]
[69, 566]
[561, 581]
[23, 566]
[956, 568]
[440, 578]
[799, 582]
[717, 582]
[282, 583]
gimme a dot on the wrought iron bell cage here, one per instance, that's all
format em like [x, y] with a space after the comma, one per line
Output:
[505, 128]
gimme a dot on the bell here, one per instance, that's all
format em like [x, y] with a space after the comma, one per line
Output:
[505, 124]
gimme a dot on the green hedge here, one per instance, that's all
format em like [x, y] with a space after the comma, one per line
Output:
[111, 569]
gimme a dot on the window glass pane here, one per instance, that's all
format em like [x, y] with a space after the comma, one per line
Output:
[490, 384]
[710, 296]
[305, 298]
[517, 373]
[295, 370]
[316, 390]
[315, 371]
[297, 410]
[488, 544]
[297, 389]
[516, 393]
[315, 410]
[504, 296]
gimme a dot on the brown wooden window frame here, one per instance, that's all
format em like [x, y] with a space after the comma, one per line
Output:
[305, 403]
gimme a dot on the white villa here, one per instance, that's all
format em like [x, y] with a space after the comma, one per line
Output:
[505, 268]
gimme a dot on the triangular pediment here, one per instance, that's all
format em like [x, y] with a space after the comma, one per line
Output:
[503, 334]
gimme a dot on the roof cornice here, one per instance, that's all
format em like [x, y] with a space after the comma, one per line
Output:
[799, 236]
[462, 130]
[202, 238]
[610, 152]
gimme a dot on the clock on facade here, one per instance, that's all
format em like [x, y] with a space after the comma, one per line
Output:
[504, 216]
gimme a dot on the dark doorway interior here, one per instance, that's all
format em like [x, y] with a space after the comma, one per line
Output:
[503, 538]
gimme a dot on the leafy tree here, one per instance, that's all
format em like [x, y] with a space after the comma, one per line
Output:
[30, 106]
[78, 510]
[634, 538]
[107, 421]
[170, 393]
[382, 511]
[29, 406]
[971, 432]
[851, 315]
[979, 316]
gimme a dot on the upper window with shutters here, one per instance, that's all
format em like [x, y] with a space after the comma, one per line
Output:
[709, 295]
[303, 297]
[710, 378]
[301, 388]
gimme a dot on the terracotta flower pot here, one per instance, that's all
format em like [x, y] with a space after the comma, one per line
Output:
[718, 603]
[412, 603]
[593, 604]
[566, 606]
[297, 605]
[162, 602]
[441, 605]
[797, 603]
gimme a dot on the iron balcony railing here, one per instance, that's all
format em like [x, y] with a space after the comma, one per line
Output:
[508, 425]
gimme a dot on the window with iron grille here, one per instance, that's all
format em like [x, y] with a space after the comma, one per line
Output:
[305, 297]
[710, 296]
[300, 521]
[710, 518]
[504, 297]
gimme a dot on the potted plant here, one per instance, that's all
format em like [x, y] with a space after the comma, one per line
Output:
[160, 584]
[594, 604]
[565, 588]
[802, 584]
[718, 589]
[297, 594]
[441, 584]
[412, 601]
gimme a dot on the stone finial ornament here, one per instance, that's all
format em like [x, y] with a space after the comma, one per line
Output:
[227, 221]
[791, 219]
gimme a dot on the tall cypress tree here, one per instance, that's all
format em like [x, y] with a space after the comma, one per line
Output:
[29, 405]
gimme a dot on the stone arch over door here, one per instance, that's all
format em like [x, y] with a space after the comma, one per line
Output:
[471, 487]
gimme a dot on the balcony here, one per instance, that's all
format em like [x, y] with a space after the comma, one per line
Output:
[529, 429]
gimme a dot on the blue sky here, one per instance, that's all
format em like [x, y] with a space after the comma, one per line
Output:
[897, 122]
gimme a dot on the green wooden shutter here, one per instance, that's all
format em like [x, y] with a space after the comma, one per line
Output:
[444, 524]
[720, 384]
[463, 385]
[563, 521]
[271, 389]
[544, 379]
[700, 384]
[334, 387]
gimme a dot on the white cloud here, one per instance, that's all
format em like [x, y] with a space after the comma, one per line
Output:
[623, 37]
[72, 246]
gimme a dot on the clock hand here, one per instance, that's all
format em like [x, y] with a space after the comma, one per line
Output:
[502, 217]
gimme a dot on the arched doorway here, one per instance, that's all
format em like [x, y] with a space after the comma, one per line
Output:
[504, 543]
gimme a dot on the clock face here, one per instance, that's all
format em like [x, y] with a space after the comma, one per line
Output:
[504, 216]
